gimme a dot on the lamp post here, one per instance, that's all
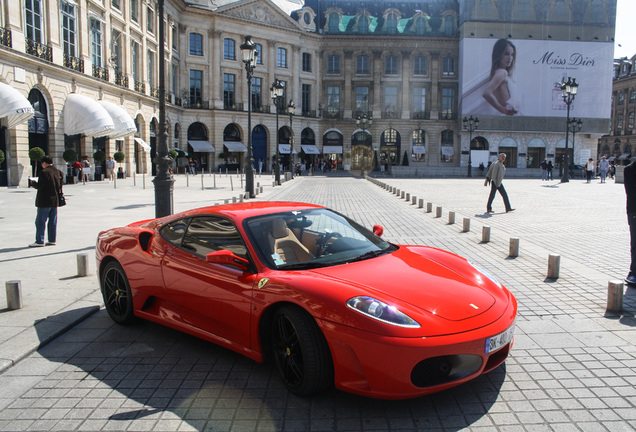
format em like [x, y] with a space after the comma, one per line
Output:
[277, 91]
[575, 126]
[569, 89]
[164, 182]
[248, 50]
[362, 122]
[470, 124]
[291, 108]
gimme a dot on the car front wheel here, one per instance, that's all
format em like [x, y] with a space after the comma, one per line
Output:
[301, 352]
[117, 294]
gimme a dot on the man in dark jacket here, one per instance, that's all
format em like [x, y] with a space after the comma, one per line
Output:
[630, 191]
[48, 185]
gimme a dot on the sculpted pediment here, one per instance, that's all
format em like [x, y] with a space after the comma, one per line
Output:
[262, 11]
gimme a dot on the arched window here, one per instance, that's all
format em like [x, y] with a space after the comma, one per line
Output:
[391, 23]
[363, 24]
[334, 22]
[420, 26]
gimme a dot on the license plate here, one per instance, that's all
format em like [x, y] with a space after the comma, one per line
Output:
[499, 341]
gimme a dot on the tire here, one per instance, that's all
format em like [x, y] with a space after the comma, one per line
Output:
[117, 294]
[301, 352]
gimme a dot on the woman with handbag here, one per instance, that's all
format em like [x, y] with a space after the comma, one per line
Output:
[49, 187]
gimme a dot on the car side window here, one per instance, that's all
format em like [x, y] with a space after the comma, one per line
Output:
[174, 231]
[210, 234]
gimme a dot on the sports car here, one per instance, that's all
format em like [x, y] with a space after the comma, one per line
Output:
[328, 301]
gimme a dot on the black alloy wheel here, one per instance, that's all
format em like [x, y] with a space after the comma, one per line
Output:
[117, 294]
[301, 352]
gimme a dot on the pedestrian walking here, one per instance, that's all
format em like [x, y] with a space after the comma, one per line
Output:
[550, 167]
[494, 177]
[630, 191]
[49, 186]
[77, 171]
[110, 169]
[589, 169]
[603, 168]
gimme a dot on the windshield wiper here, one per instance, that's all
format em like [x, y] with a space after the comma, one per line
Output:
[304, 266]
[368, 255]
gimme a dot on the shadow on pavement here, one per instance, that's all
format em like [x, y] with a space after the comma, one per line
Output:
[212, 388]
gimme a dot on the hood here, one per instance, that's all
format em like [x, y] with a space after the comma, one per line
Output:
[425, 278]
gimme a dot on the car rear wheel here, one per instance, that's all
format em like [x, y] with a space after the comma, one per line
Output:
[301, 352]
[117, 294]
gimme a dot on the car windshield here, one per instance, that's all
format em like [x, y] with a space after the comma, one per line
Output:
[311, 239]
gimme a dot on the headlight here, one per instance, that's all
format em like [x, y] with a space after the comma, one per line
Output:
[381, 311]
[488, 275]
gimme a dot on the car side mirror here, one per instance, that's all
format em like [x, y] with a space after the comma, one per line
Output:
[378, 230]
[228, 258]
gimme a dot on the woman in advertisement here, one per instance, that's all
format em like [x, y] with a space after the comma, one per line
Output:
[501, 90]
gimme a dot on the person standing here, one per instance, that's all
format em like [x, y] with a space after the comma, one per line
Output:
[630, 191]
[110, 168]
[495, 176]
[589, 169]
[86, 169]
[550, 166]
[544, 169]
[48, 185]
[603, 167]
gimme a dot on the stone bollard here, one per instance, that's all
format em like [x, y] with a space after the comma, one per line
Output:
[233, 200]
[429, 207]
[82, 264]
[413, 200]
[260, 189]
[14, 294]
[438, 211]
[466, 226]
[226, 201]
[485, 234]
[554, 266]
[615, 296]
[408, 196]
[241, 198]
[514, 247]
[420, 203]
[402, 194]
[451, 217]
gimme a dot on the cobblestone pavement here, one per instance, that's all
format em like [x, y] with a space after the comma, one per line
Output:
[573, 366]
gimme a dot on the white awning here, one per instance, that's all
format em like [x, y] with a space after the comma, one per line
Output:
[143, 144]
[235, 146]
[310, 149]
[285, 149]
[332, 149]
[83, 115]
[15, 107]
[201, 146]
[124, 124]
[418, 149]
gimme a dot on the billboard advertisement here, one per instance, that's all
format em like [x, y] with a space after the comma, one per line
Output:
[520, 78]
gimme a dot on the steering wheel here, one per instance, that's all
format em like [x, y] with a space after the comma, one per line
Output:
[322, 241]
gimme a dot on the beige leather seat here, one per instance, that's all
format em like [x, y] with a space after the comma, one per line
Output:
[287, 245]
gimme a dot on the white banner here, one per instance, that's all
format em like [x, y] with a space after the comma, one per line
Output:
[524, 80]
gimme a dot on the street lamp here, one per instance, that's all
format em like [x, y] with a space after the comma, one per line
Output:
[362, 122]
[291, 109]
[470, 124]
[277, 91]
[568, 92]
[575, 126]
[164, 182]
[248, 51]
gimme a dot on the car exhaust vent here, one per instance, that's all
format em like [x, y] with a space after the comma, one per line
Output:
[144, 240]
[444, 369]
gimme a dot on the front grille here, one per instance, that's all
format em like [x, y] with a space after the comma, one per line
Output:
[444, 369]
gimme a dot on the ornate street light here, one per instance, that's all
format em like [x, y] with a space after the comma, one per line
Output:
[470, 124]
[569, 89]
[277, 91]
[249, 53]
[291, 109]
[164, 182]
[363, 122]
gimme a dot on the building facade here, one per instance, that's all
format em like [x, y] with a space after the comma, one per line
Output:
[618, 143]
[376, 85]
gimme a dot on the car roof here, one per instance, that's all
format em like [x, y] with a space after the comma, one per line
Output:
[241, 211]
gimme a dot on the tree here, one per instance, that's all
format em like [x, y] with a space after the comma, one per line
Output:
[99, 156]
[119, 156]
[69, 155]
[35, 154]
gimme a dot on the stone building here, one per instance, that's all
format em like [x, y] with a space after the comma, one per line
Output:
[375, 84]
[618, 144]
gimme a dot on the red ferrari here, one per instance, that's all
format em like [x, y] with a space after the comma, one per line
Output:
[328, 300]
